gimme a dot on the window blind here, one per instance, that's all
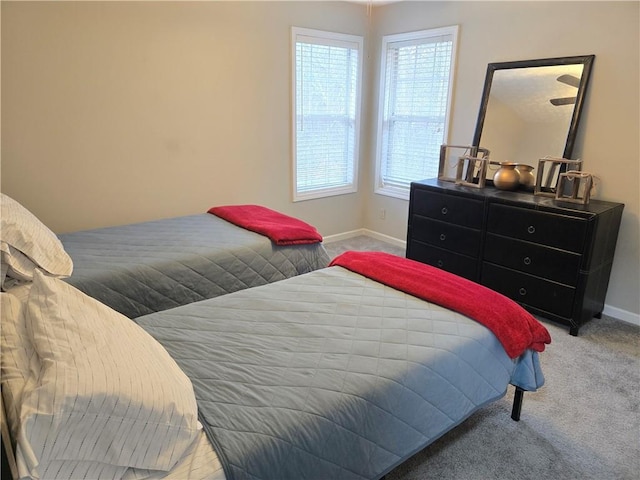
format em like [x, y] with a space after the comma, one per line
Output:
[326, 96]
[417, 81]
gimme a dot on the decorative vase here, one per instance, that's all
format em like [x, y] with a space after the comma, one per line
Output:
[506, 177]
[527, 178]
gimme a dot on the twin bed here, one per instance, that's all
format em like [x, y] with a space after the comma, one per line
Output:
[152, 266]
[333, 373]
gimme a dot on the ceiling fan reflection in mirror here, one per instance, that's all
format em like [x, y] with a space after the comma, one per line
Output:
[568, 80]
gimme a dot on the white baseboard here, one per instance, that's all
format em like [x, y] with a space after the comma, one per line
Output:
[343, 236]
[608, 310]
[620, 314]
[367, 233]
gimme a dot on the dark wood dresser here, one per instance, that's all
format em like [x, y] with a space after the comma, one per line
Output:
[554, 258]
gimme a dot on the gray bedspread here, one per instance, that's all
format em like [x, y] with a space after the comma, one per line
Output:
[330, 375]
[148, 267]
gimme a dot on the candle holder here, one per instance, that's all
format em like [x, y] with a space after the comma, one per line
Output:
[574, 187]
[471, 171]
[450, 159]
[547, 175]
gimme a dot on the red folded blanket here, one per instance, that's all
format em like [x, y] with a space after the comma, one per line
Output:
[514, 327]
[280, 228]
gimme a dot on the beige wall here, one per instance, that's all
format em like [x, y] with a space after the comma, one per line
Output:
[609, 138]
[126, 111]
[118, 112]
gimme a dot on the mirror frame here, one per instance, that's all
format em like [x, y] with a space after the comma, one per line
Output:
[585, 60]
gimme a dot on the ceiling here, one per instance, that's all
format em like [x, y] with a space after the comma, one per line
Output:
[527, 91]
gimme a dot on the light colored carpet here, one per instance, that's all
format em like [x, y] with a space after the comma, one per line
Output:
[584, 423]
[362, 242]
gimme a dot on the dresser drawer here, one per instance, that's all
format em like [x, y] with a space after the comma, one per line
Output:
[452, 237]
[448, 208]
[560, 231]
[534, 291]
[444, 259]
[553, 264]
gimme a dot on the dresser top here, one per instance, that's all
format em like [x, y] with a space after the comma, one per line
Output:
[519, 198]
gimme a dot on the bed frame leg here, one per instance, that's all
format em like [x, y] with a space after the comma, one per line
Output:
[517, 404]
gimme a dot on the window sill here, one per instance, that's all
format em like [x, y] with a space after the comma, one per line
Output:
[394, 192]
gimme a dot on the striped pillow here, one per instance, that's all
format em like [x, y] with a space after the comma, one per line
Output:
[108, 391]
[22, 231]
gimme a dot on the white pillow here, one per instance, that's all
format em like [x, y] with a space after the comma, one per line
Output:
[21, 366]
[16, 264]
[20, 363]
[22, 231]
[108, 391]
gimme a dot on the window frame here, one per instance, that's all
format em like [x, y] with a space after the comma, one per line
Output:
[402, 192]
[323, 37]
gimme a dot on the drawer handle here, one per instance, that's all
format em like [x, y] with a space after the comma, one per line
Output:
[443, 237]
[522, 291]
[527, 261]
[444, 210]
[531, 229]
[440, 263]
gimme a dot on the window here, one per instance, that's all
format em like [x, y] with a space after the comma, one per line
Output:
[326, 109]
[415, 100]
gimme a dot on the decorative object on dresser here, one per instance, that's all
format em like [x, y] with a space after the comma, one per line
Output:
[548, 174]
[471, 171]
[552, 257]
[574, 186]
[450, 156]
[507, 177]
[527, 178]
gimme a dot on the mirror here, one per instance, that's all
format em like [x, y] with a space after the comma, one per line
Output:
[530, 109]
